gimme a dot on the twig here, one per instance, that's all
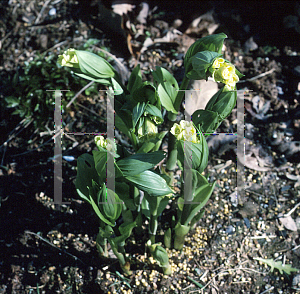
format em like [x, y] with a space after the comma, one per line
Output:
[84, 88]
[258, 76]
[268, 290]
[42, 11]
[291, 211]
[49, 243]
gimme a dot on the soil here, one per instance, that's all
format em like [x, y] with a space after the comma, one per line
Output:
[44, 249]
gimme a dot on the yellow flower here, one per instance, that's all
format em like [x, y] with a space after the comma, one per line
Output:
[68, 58]
[185, 131]
[226, 74]
[218, 62]
[177, 131]
[100, 142]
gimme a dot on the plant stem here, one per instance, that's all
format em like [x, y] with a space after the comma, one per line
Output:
[153, 228]
[180, 95]
[172, 152]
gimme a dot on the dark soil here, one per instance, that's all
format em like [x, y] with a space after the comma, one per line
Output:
[48, 250]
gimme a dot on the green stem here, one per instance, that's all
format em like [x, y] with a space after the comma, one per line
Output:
[153, 228]
[172, 152]
[180, 95]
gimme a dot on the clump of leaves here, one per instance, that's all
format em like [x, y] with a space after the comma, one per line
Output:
[287, 268]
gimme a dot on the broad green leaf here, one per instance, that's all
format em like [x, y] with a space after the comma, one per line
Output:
[222, 103]
[125, 230]
[94, 65]
[110, 204]
[202, 195]
[151, 183]
[100, 159]
[205, 120]
[199, 152]
[209, 43]
[99, 213]
[86, 172]
[154, 111]
[105, 82]
[139, 162]
[145, 93]
[138, 111]
[153, 143]
[201, 61]
[167, 88]
[116, 87]
[122, 189]
[135, 80]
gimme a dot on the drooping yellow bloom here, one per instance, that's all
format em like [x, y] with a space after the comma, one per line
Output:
[68, 58]
[185, 131]
[224, 72]
[218, 62]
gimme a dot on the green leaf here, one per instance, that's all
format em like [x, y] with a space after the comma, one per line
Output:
[99, 213]
[199, 152]
[138, 111]
[135, 80]
[110, 204]
[205, 120]
[122, 189]
[86, 172]
[145, 93]
[278, 265]
[151, 183]
[202, 195]
[222, 103]
[209, 43]
[105, 82]
[12, 101]
[152, 143]
[139, 162]
[94, 66]
[201, 61]
[167, 88]
[116, 87]
[125, 230]
[100, 159]
[155, 112]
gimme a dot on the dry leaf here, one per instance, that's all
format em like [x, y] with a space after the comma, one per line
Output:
[288, 222]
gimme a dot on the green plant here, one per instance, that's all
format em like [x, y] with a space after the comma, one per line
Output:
[29, 88]
[287, 268]
[142, 188]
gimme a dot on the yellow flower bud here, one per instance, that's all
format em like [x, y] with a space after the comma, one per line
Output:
[68, 58]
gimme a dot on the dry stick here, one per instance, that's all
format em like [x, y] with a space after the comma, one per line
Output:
[49, 243]
[258, 77]
[42, 11]
[84, 88]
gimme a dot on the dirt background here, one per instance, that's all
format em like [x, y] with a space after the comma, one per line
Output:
[44, 250]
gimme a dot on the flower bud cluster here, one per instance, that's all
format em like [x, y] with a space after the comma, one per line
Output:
[224, 72]
[186, 131]
[148, 129]
[105, 143]
[68, 58]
